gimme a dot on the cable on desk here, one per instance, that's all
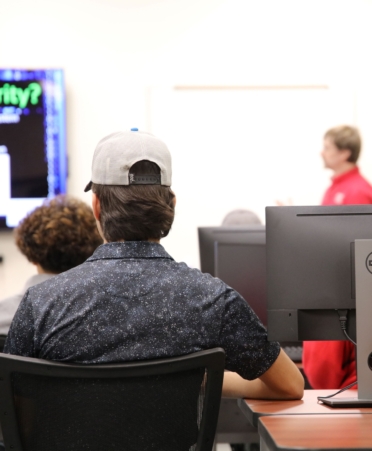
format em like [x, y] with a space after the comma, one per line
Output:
[343, 322]
[337, 392]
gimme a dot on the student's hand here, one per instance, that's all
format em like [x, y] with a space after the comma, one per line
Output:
[285, 203]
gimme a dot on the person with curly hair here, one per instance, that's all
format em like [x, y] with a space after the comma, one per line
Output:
[55, 237]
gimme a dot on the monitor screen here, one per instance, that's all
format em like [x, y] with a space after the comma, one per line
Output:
[310, 269]
[33, 161]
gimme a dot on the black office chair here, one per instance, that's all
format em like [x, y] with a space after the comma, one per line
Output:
[158, 405]
[2, 342]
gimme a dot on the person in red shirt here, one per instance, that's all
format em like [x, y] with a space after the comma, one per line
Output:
[331, 364]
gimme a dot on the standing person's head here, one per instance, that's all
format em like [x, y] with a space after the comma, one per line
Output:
[241, 218]
[342, 147]
[131, 179]
[58, 235]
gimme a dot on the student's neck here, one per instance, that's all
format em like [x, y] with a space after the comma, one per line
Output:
[41, 270]
[123, 241]
[345, 167]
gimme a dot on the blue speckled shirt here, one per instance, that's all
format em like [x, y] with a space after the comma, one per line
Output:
[132, 301]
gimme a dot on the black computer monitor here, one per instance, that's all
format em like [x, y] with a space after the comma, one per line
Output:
[312, 253]
[237, 255]
[310, 269]
[240, 261]
[230, 234]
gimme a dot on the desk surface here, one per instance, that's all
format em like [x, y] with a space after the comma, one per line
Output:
[316, 432]
[255, 408]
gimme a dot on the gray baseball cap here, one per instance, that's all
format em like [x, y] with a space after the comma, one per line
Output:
[117, 153]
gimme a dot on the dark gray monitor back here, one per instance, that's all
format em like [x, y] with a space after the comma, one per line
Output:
[236, 255]
[310, 271]
[240, 261]
[231, 234]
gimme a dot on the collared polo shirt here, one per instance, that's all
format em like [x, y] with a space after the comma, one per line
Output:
[131, 301]
[348, 189]
[331, 364]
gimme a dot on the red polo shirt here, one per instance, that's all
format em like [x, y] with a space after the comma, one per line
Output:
[349, 188]
[331, 364]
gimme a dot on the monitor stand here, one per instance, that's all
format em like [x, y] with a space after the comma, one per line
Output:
[363, 291]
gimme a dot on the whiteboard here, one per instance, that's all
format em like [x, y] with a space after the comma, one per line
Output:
[242, 147]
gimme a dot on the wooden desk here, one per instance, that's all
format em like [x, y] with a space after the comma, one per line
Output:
[316, 432]
[255, 408]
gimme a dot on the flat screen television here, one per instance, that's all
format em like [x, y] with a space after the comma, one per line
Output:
[33, 157]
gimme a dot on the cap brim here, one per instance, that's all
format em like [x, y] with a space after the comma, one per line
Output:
[88, 187]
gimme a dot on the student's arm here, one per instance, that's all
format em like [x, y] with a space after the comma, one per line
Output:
[20, 338]
[282, 380]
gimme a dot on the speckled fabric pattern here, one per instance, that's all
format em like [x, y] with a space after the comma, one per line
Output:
[132, 301]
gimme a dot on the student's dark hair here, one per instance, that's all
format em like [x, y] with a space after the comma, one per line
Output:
[136, 212]
[59, 235]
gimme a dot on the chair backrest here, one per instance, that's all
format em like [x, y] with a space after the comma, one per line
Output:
[159, 405]
[2, 342]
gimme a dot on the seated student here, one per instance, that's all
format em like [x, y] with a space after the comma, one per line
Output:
[241, 217]
[131, 301]
[55, 237]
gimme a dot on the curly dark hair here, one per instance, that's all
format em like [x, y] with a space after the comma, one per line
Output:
[59, 235]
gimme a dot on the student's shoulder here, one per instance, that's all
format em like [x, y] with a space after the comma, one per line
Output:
[357, 180]
[185, 270]
[70, 279]
[359, 192]
[204, 282]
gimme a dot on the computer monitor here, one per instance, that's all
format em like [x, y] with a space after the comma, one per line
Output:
[233, 234]
[33, 160]
[318, 264]
[240, 261]
[237, 255]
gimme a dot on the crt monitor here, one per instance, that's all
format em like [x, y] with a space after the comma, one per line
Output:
[33, 161]
[236, 255]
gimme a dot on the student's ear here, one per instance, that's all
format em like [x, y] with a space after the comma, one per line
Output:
[96, 207]
[346, 154]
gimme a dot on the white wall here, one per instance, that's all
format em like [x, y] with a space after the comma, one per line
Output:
[121, 56]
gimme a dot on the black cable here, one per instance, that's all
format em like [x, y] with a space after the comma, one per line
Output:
[349, 338]
[337, 392]
[343, 322]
